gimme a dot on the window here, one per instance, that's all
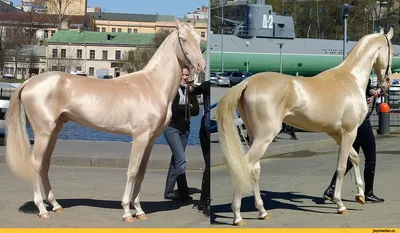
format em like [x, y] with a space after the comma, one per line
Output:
[46, 34]
[113, 29]
[55, 52]
[97, 29]
[78, 68]
[63, 53]
[117, 55]
[203, 34]
[105, 54]
[135, 30]
[91, 71]
[129, 30]
[119, 29]
[79, 53]
[92, 54]
[62, 68]
[54, 68]
[52, 33]
[103, 29]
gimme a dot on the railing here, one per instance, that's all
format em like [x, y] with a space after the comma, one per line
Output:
[394, 103]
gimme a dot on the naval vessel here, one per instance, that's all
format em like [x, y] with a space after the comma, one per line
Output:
[254, 37]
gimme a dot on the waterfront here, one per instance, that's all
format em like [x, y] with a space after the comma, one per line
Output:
[74, 131]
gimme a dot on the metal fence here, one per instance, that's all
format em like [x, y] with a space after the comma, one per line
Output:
[394, 103]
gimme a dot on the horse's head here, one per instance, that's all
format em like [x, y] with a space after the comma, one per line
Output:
[383, 61]
[189, 44]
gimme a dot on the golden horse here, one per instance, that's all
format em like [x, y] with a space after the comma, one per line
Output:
[136, 104]
[333, 102]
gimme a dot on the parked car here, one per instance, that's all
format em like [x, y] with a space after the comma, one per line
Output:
[219, 79]
[238, 76]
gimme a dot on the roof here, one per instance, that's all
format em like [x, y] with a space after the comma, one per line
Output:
[38, 18]
[122, 17]
[171, 18]
[4, 7]
[138, 17]
[90, 37]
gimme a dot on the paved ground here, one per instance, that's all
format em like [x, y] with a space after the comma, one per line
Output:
[92, 198]
[292, 187]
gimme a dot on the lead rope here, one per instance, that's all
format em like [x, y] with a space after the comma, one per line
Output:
[187, 104]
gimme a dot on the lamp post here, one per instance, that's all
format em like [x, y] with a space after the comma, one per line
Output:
[207, 74]
[280, 55]
[247, 56]
[345, 13]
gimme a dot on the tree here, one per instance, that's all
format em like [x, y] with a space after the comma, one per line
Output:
[137, 59]
[14, 40]
[61, 8]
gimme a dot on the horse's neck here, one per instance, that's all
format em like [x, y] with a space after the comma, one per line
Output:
[360, 61]
[165, 69]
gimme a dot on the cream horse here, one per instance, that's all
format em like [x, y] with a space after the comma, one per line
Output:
[136, 104]
[333, 102]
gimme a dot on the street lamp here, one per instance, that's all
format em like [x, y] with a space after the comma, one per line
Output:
[280, 54]
[378, 3]
[247, 56]
[345, 13]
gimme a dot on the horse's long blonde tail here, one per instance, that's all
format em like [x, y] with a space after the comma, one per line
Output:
[17, 143]
[230, 142]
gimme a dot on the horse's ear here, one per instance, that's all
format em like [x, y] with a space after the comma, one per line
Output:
[390, 33]
[178, 24]
[381, 31]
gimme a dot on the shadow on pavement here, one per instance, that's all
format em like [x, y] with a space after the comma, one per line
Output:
[275, 200]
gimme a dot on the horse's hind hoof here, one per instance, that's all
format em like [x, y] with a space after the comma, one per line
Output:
[128, 219]
[44, 216]
[141, 216]
[343, 212]
[240, 223]
[59, 210]
[266, 217]
[360, 199]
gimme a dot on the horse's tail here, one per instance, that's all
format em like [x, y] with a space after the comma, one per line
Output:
[17, 143]
[231, 145]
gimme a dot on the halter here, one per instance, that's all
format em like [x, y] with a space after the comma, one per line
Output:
[183, 51]
[386, 77]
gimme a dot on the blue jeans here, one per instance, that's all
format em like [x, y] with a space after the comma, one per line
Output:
[177, 142]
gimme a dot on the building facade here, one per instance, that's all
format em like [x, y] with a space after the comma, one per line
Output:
[97, 54]
[143, 23]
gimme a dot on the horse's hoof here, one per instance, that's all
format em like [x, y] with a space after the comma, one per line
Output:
[141, 216]
[266, 217]
[343, 212]
[240, 223]
[360, 199]
[44, 216]
[128, 219]
[59, 210]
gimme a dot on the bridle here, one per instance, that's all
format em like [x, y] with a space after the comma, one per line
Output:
[385, 78]
[184, 52]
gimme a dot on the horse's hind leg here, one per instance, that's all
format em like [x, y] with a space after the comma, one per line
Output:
[42, 140]
[138, 148]
[45, 169]
[140, 214]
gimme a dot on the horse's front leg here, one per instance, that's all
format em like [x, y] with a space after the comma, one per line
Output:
[346, 143]
[140, 214]
[138, 148]
[355, 160]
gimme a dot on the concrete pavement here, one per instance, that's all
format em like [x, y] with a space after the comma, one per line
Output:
[92, 197]
[292, 186]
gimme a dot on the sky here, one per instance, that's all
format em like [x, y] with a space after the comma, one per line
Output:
[163, 7]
